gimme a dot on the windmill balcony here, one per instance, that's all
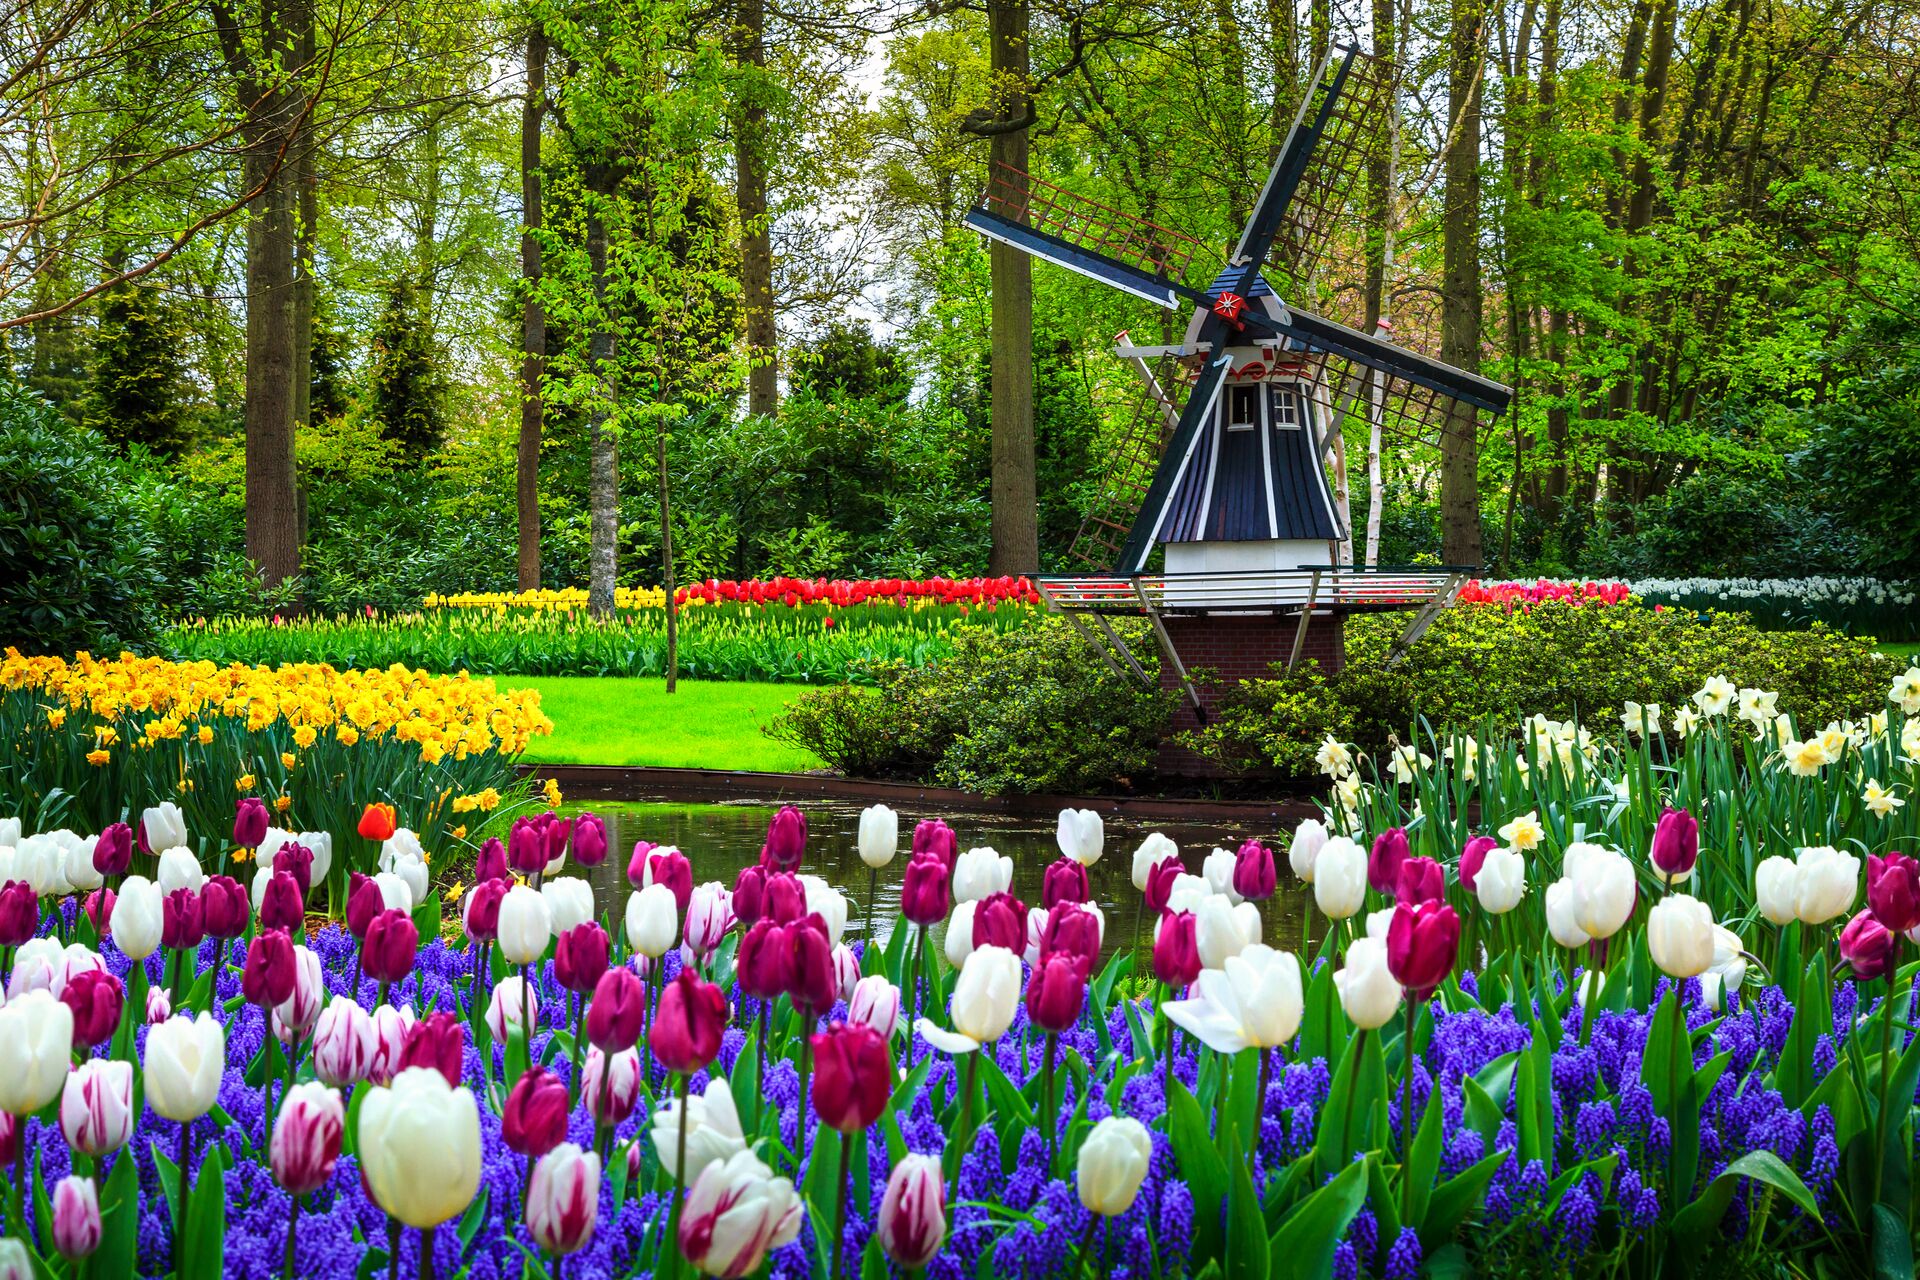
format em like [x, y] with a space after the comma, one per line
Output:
[1317, 588]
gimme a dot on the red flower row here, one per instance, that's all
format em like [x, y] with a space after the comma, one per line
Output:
[841, 592]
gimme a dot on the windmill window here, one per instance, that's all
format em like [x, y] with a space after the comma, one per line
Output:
[1243, 408]
[1286, 409]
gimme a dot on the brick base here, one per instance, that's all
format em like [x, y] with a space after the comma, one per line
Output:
[1231, 650]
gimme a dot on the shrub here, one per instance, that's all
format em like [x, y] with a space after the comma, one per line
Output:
[1028, 710]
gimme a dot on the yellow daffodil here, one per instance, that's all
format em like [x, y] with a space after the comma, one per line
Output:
[99, 757]
[1525, 832]
[1881, 802]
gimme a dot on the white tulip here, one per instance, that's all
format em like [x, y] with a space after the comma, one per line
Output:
[9, 832]
[1378, 922]
[526, 925]
[1563, 920]
[876, 1003]
[1340, 878]
[1255, 1001]
[1188, 892]
[185, 1059]
[1153, 851]
[653, 920]
[1604, 887]
[985, 998]
[300, 1011]
[1680, 936]
[1218, 871]
[1368, 993]
[402, 846]
[37, 962]
[1728, 973]
[165, 826]
[137, 917]
[569, 902]
[77, 869]
[419, 1147]
[1113, 1163]
[36, 1045]
[1826, 884]
[41, 862]
[740, 1211]
[1224, 929]
[879, 837]
[318, 843]
[396, 892]
[980, 872]
[409, 870]
[1081, 835]
[959, 939]
[1776, 889]
[826, 902]
[1502, 881]
[1309, 838]
[713, 1130]
[505, 1010]
[179, 869]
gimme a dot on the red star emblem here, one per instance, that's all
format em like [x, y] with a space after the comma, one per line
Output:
[1229, 306]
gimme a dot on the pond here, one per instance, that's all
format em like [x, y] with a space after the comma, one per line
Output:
[719, 839]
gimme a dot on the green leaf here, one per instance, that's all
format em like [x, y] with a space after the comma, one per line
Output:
[1358, 1085]
[1201, 1166]
[119, 1219]
[1697, 1226]
[1892, 1245]
[426, 917]
[1423, 1162]
[1247, 1245]
[476, 1215]
[1303, 1246]
[206, 1237]
[1455, 1198]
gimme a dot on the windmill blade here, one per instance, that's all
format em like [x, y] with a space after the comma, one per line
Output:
[1085, 236]
[1325, 198]
[1308, 332]
[1153, 502]
[1153, 419]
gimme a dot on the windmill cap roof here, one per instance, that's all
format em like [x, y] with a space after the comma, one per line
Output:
[1230, 276]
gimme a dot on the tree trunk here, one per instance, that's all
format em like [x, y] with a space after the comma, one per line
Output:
[1460, 300]
[666, 563]
[603, 488]
[308, 197]
[1286, 72]
[750, 191]
[533, 315]
[1380, 228]
[1015, 520]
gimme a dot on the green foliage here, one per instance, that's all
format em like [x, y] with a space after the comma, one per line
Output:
[845, 360]
[1026, 710]
[76, 552]
[406, 388]
[1863, 457]
[138, 393]
[1562, 661]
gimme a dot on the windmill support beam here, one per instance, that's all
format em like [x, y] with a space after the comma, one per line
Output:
[1424, 619]
[1306, 615]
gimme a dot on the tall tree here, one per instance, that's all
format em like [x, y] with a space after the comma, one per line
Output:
[751, 157]
[533, 315]
[1460, 298]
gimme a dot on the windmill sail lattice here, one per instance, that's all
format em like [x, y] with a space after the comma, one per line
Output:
[1136, 452]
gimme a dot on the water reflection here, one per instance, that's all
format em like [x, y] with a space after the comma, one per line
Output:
[719, 839]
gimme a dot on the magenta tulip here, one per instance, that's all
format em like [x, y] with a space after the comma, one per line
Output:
[295, 860]
[391, 943]
[1869, 947]
[618, 1007]
[534, 1120]
[364, 902]
[1057, 991]
[1064, 881]
[686, 1030]
[490, 863]
[280, 905]
[925, 893]
[1422, 943]
[786, 840]
[224, 908]
[113, 851]
[306, 1139]
[1160, 881]
[852, 1077]
[589, 840]
[1176, 950]
[95, 998]
[1000, 920]
[1893, 890]
[937, 838]
[1472, 858]
[182, 922]
[250, 822]
[1383, 864]
[1254, 877]
[1421, 880]
[813, 986]
[580, 958]
[764, 962]
[1676, 842]
[271, 970]
[438, 1040]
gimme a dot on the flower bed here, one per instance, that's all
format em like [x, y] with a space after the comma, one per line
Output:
[790, 592]
[1861, 606]
[1651, 1067]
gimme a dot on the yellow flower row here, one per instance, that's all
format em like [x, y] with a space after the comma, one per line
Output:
[154, 699]
[560, 600]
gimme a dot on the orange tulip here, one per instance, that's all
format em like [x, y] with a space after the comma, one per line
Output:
[378, 822]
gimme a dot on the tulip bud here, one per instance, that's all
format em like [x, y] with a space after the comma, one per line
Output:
[998, 920]
[985, 997]
[19, 913]
[377, 822]
[1176, 950]
[1421, 945]
[526, 925]
[1676, 843]
[185, 1059]
[1064, 881]
[1057, 991]
[1605, 888]
[1153, 851]
[589, 840]
[736, 1212]
[1074, 928]
[269, 975]
[1368, 993]
[159, 1005]
[610, 1099]
[392, 942]
[1826, 884]
[1472, 858]
[182, 926]
[1421, 880]
[76, 1217]
[1340, 878]
[1254, 877]
[580, 957]
[812, 985]
[223, 908]
[616, 1011]
[1309, 838]
[764, 962]
[1869, 947]
[11, 1135]
[306, 1138]
[280, 904]
[852, 1076]
[1501, 880]
[95, 998]
[749, 894]
[879, 837]
[364, 902]
[490, 864]
[511, 1000]
[786, 839]
[1223, 929]
[1383, 864]
[652, 920]
[686, 1030]
[250, 822]
[979, 872]
[710, 918]
[1893, 890]
[534, 1120]
[438, 1040]
[668, 866]
[418, 1143]
[876, 1003]
[713, 1130]
[390, 1029]
[113, 851]
[569, 902]
[935, 837]
[563, 1200]
[295, 860]
[846, 970]
[913, 1212]
[1081, 835]
[1162, 879]
[96, 1106]
[14, 1262]
[786, 899]
[1113, 1163]
[481, 915]
[343, 1043]
[138, 917]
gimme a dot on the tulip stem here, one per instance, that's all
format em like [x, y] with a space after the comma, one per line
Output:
[180, 1206]
[672, 1244]
[1052, 1119]
[800, 1124]
[917, 955]
[1086, 1246]
[873, 893]
[293, 1219]
[426, 1253]
[266, 1080]
[393, 1248]
[840, 1215]
[526, 1007]
[1306, 930]
[1406, 1122]
[1886, 1076]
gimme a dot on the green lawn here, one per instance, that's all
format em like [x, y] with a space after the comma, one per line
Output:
[1901, 648]
[704, 725]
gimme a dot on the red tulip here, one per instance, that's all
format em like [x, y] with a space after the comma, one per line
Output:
[250, 822]
[1421, 880]
[1057, 991]
[1422, 943]
[589, 840]
[936, 837]
[1254, 877]
[925, 893]
[439, 1041]
[534, 1120]
[580, 958]
[764, 961]
[1472, 858]
[1000, 920]
[95, 998]
[618, 1007]
[1160, 881]
[378, 822]
[1072, 928]
[182, 924]
[113, 851]
[364, 902]
[295, 860]
[786, 840]
[750, 894]
[491, 862]
[1893, 890]
[812, 986]
[1868, 946]
[272, 970]
[387, 953]
[1383, 864]
[1176, 950]
[224, 907]
[99, 908]
[1064, 881]
[687, 1027]
[853, 1076]
[280, 905]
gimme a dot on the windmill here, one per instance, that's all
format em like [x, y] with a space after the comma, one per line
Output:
[1224, 465]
